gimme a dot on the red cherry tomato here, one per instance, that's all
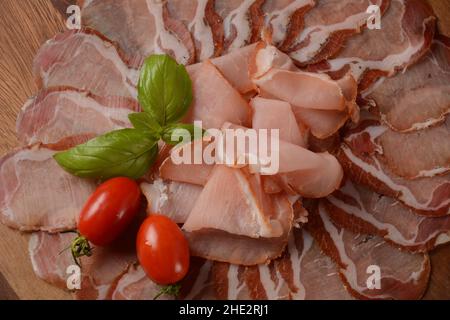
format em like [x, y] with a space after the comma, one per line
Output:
[162, 250]
[109, 210]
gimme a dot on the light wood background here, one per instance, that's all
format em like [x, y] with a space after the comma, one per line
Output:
[24, 26]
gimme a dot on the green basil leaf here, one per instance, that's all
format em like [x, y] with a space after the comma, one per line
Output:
[164, 89]
[144, 121]
[180, 132]
[125, 152]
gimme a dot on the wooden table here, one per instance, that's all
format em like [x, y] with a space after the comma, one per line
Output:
[24, 26]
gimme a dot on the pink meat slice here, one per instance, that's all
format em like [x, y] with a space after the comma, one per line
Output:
[85, 60]
[419, 97]
[215, 99]
[170, 198]
[406, 33]
[413, 155]
[37, 193]
[54, 115]
[141, 28]
[362, 210]
[278, 115]
[324, 34]
[403, 275]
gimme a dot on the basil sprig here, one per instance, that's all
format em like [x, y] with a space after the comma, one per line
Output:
[165, 94]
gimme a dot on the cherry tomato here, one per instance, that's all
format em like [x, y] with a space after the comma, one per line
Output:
[109, 210]
[162, 250]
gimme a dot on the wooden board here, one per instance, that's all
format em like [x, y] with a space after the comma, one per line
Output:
[24, 26]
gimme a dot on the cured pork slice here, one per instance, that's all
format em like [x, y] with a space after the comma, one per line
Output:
[141, 28]
[428, 196]
[49, 258]
[218, 245]
[324, 34]
[204, 24]
[86, 61]
[278, 115]
[406, 33]
[364, 211]
[242, 22]
[284, 19]
[419, 97]
[135, 285]
[424, 153]
[172, 199]
[54, 115]
[275, 76]
[302, 273]
[215, 100]
[243, 210]
[362, 258]
[37, 194]
[234, 67]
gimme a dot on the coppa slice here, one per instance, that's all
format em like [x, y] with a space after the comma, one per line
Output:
[324, 34]
[424, 153]
[140, 28]
[54, 115]
[403, 275]
[87, 61]
[361, 210]
[242, 22]
[406, 34]
[204, 24]
[284, 19]
[419, 97]
[215, 100]
[428, 196]
[37, 194]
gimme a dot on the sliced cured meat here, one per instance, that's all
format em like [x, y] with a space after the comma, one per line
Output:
[406, 34]
[140, 28]
[244, 210]
[277, 114]
[362, 210]
[242, 22]
[301, 89]
[135, 285]
[361, 258]
[54, 115]
[204, 24]
[215, 100]
[172, 199]
[198, 283]
[424, 153]
[325, 116]
[85, 61]
[284, 19]
[37, 194]
[234, 67]
[222, 246]
[324, 34]
[312, 175]
[428, 196]
[48, 258]
[420, 96]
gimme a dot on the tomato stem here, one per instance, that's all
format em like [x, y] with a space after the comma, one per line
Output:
[171, 290]
[80, 247]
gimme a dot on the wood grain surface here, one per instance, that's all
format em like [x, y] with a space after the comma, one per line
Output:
[24, 26]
